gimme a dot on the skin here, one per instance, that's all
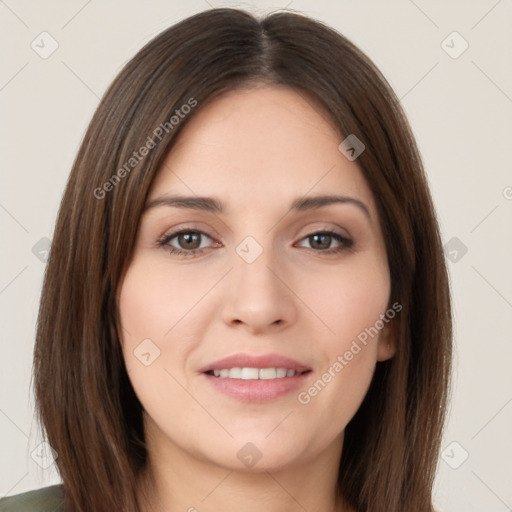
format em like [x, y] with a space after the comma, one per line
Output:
[256, 150]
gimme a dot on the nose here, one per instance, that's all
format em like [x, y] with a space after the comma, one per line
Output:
[259, 295]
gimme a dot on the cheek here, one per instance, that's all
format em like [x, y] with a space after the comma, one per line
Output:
[349, 303]
[160, 304]
[153, 301]
[151, 304]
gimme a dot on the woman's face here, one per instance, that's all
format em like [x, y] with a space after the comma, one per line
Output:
[282, 293]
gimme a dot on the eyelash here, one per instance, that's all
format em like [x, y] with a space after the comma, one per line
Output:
[346, 243]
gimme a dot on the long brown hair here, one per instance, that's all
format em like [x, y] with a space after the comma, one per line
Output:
[84, 399]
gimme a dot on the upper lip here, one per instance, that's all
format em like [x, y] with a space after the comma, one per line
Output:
[260, 361]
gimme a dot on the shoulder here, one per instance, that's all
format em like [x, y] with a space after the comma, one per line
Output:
[47, 499]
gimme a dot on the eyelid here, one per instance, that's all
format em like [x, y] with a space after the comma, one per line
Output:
[173, 232]
[188, 227]
[322, 227]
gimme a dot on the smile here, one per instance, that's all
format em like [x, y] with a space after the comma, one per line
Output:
[254, 373]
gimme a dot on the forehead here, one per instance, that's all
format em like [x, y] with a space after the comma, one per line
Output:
[259, 146]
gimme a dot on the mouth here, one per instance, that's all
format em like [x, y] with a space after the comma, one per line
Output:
[255, 373]
[256, 378]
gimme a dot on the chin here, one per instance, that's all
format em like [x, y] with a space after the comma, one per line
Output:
[258, 453]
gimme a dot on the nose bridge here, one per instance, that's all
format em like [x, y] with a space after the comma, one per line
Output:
[252, 268]
[257, 297]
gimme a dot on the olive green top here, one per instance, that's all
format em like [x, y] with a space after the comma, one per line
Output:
[47, 499]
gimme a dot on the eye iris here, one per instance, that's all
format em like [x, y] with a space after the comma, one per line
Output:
[326, 241]
[189, 240]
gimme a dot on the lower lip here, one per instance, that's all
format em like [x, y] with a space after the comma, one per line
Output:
[257, 390]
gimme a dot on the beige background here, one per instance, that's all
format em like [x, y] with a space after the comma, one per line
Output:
[461, 112]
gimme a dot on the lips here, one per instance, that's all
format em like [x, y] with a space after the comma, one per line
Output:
[256, 378]
[260, 362]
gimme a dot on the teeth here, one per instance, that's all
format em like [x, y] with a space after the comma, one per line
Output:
[268, 373]
[255, 373]
[248, 373]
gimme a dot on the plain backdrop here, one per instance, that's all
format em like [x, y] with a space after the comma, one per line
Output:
[456, 89]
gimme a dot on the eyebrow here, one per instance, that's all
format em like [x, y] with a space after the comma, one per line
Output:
[213, 205]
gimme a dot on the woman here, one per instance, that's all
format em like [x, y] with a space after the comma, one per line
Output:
[246, 303]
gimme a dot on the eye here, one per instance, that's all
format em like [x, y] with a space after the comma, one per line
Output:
[187, 242]
[321, 242]
[192, 242]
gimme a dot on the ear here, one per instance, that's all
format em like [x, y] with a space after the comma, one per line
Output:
[387, 341]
